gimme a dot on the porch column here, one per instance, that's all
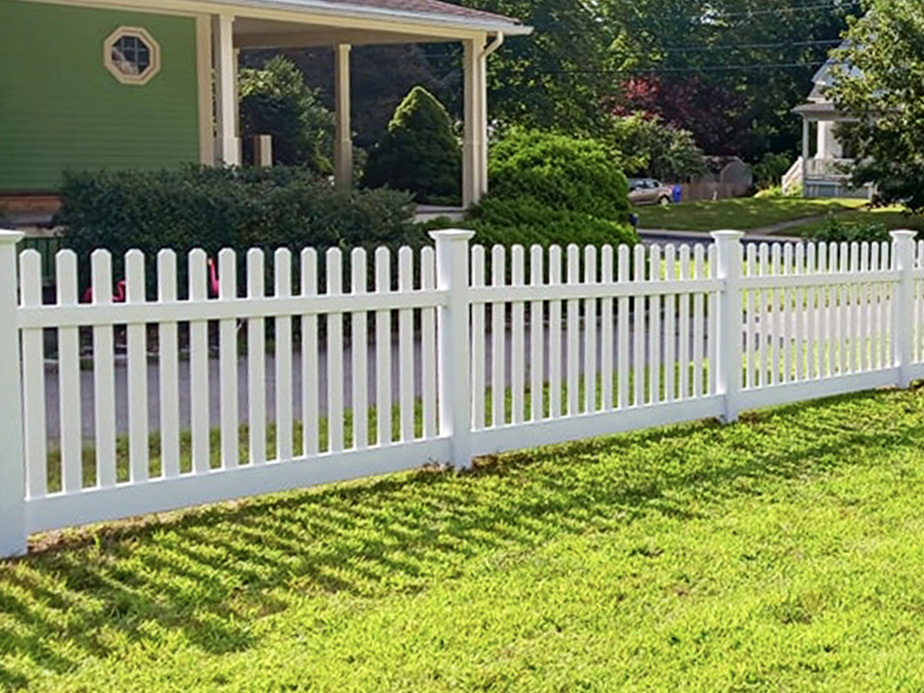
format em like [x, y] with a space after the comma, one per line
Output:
[226, 96]
[806, 152]
[806, 138]
[343, 145]
[475, 146]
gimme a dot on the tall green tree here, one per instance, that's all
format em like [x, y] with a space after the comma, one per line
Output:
[419, 153]
[730, 71]
[276, 101]
[881, 82]
[556, 78]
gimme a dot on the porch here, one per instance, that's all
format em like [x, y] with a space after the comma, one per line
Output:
[825, 168]
[480, 33]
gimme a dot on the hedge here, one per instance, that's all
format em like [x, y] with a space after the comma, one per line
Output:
[209, 208]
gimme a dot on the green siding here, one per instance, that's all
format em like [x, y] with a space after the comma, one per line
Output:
[60, 108]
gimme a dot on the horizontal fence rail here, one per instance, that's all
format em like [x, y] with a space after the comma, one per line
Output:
[198, 379]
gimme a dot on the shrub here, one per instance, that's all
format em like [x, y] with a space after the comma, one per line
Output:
[276, 101]
[419, 152]
[771, 168]
[226, 208]
[559, 172]
[839, 231]
[526, 222]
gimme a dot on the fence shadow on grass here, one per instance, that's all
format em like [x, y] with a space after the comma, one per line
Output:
[209, 573]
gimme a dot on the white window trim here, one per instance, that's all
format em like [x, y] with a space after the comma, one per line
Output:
[136, 80]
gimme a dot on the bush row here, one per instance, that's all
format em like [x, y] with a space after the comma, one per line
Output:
[213, 208]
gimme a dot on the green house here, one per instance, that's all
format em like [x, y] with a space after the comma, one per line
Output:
[148, 84]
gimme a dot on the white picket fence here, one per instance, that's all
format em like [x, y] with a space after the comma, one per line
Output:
[444, 364]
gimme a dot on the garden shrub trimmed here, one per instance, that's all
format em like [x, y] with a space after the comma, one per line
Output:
[527, 222]
[550, 189]
[559, 172]
[419, 152]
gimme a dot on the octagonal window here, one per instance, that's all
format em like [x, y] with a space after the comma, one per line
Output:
[132, 55]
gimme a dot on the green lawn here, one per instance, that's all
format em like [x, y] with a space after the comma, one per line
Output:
[744, 213]
[780, 553]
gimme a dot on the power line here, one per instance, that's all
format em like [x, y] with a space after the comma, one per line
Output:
[714, 15]
[748, 46]
[705, 68]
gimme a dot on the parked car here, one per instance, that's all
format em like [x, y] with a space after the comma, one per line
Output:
[648, 191]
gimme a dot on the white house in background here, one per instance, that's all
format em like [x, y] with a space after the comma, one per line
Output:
[823, 169]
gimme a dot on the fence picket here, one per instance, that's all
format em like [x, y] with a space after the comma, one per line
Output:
[555, 364]
[788, 315]
[199, 367]
[672, 367]
[33, 380]
[654, 329]
[713, 346]
[168, 366]
[498, 338]
[282, 271]
[751, 341]
[776, 299]
[406, 346]
[699, 328]
[383, 350]
[606, 329]
[335, 423]
[683, 349]
[623, 357]
[428, 345]
[311, 434]
[518, 339]
[359, 346]
[137, 372]
[573, 327]
[227, 362]
[256, 361]
[479, 345]
[536, 337]
[638, 310]
[590, 332]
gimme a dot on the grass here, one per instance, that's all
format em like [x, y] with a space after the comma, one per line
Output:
[779, 553]
[743, 214]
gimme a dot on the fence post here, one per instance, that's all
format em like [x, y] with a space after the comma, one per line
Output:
[903, 305]
[12, 458]
[455, 399]
[728, 352]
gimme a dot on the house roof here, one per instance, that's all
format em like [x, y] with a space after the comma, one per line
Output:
[424, 11]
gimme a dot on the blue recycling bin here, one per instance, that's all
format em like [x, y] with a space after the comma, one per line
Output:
[677, 194]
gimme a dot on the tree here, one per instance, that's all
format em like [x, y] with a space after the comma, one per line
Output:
[419, 152]
[713, 115]
[557, 78]
[276, 101]
[651, 147]
[730, 71]
[881, 83]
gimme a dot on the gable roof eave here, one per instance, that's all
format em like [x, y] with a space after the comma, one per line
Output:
[421, 12]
